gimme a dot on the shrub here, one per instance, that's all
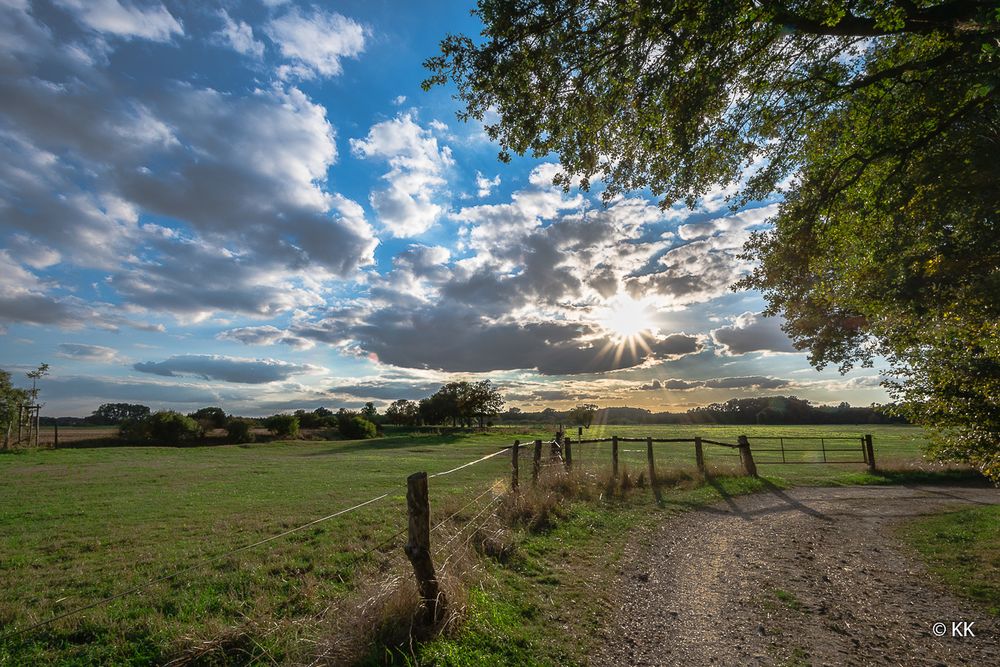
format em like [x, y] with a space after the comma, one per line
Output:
[239, 430]
[135, 430]
[283, 426]
[357, 428]
[210, 418]
[172, 428]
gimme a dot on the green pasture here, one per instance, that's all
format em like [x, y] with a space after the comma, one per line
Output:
[78, 525]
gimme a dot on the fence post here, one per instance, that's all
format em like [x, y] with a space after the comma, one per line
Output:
[537, 462]
[699, 454]
[614, 456]
[515, 453]
[555, 451]
[418, 550]
[870, 453]
[746, 457]
[652, 466]
[55, 437]
[568, 453]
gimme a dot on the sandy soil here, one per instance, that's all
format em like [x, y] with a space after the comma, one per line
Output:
[812, 576]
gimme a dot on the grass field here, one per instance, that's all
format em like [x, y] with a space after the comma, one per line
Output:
[77, 525]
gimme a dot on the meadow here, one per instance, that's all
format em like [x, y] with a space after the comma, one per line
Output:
[78, 525]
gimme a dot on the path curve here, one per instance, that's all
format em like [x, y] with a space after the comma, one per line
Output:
[809, 576]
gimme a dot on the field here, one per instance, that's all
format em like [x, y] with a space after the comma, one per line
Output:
[78, 525]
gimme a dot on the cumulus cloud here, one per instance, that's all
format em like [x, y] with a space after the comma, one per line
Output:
[731, 223]
[750, 332]
[240, 178]
[125, 20]
[387, 390]
[416, 175]
[316, 41]
[227, 369]
[239, 36]
[265, 335]
[485, 186]
[702, 269]
[82, 352]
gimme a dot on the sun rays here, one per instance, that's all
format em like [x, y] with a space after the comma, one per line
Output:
[629, 323]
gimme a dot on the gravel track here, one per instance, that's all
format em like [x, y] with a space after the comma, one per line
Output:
[810, 576]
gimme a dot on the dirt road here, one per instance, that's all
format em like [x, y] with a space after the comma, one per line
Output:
[812, 576]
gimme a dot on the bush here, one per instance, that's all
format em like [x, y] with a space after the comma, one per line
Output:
[135, 430]
[172, 428]
[357, 428]
[284, 426]
[239, 431]
[210, 418]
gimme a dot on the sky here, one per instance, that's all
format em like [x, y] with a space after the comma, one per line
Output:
[253, 204]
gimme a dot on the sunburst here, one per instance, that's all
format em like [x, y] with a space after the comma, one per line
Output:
[629, 322]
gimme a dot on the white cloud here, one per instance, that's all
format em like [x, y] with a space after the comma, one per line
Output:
[484, 186]
[81, 352]
[125, 20]
[406, 207]
[227, 369]
[239, 35]
[317, 41]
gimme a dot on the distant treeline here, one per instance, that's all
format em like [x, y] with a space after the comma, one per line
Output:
[762, 410]
[468, 404]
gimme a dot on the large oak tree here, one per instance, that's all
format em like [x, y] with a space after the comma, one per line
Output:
[878, 120]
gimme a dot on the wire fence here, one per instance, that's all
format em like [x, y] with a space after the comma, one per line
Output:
[457, 528]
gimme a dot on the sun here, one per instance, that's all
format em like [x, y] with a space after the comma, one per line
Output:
[626, 318]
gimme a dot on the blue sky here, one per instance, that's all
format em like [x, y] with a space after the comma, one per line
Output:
[254, 205]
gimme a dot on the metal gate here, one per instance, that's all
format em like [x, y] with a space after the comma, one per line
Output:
[802, 449]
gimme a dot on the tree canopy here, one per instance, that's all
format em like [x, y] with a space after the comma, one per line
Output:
[876, 120]
[116, 413]
[462, 403]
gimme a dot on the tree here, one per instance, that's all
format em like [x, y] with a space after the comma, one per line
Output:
[883, 114]
[10, 398]
[402, 412]
[369, 412]
[283, 426]
[210, 418]
[583, 414]
[116, 413]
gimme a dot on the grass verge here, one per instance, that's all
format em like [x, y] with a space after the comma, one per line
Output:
[962, 549]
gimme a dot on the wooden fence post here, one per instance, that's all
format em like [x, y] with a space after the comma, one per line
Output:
[515, 453]
[870, 453]
[555, 451]
[614, 456]
[55, 437]
[568, 453]
[418, 550]
[749, 467]
[699, 454]
[537, 462]
[649, 458]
